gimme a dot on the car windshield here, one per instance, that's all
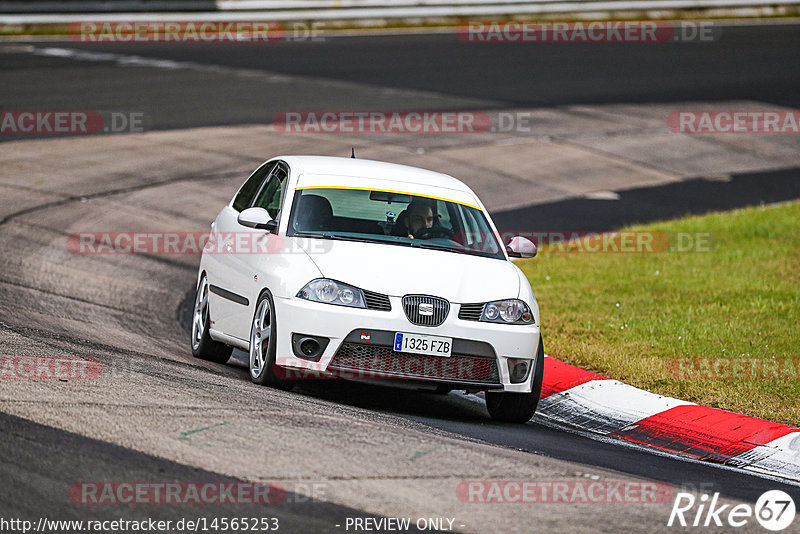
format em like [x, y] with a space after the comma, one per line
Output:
[378, 216]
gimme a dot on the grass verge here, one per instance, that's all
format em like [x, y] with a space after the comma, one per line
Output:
[718, 325]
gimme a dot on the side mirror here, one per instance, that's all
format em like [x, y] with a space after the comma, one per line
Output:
[520, 247]
[257, 218]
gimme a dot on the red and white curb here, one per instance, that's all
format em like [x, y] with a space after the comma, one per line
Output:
[578, 398]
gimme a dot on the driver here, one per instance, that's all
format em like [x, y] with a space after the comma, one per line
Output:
[419, 216]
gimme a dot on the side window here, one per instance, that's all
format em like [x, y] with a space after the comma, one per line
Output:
[271, 195]
[244, 198]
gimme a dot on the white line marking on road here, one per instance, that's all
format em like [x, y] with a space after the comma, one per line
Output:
[602, 195]
[125, 60]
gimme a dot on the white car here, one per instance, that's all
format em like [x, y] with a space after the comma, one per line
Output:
[358, 269]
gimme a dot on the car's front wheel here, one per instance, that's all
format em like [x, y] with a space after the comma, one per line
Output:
[202, 345]
[263, 342]
[518, 407]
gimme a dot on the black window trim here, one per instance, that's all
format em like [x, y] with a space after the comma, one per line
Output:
[285, 167]
[272, 164]
[264, 183]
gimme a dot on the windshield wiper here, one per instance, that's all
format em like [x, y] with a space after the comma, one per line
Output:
[464, 250]
[414, 243]
[335, 237]
[436, 247]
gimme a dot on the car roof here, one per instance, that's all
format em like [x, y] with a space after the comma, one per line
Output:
[370, 169]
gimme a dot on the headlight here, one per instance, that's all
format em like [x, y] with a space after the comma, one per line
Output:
[512, 311]
[332, 292]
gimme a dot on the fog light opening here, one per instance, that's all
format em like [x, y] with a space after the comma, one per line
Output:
[518, 369]
[308, 347]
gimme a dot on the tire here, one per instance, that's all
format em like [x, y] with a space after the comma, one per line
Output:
[203, 346]
[518, 407]
[263, 345]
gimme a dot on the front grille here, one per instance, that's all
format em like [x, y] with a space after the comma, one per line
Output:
[470, 312]
[364, 361]
[438, 308]
[376, 301]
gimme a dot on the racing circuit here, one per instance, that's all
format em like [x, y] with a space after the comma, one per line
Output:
[597, 155]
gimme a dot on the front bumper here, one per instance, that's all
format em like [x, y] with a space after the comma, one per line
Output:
[478, 359]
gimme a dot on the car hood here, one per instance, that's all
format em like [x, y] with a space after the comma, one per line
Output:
[401, 270]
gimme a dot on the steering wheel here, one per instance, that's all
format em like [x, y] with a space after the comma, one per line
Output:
[434, 231]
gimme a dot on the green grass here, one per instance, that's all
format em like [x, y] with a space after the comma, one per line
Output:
[645, 318]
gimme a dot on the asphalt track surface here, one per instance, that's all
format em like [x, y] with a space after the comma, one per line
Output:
[378, 450]
[436, 71]
[657, 203]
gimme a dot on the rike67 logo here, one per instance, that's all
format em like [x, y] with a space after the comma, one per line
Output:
[774, 510]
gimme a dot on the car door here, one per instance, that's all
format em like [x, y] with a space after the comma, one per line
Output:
[253, 260]
[225, 298]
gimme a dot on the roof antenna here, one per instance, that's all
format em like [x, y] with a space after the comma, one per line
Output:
[353, 152]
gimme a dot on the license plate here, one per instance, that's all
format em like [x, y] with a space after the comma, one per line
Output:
[417, 344]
